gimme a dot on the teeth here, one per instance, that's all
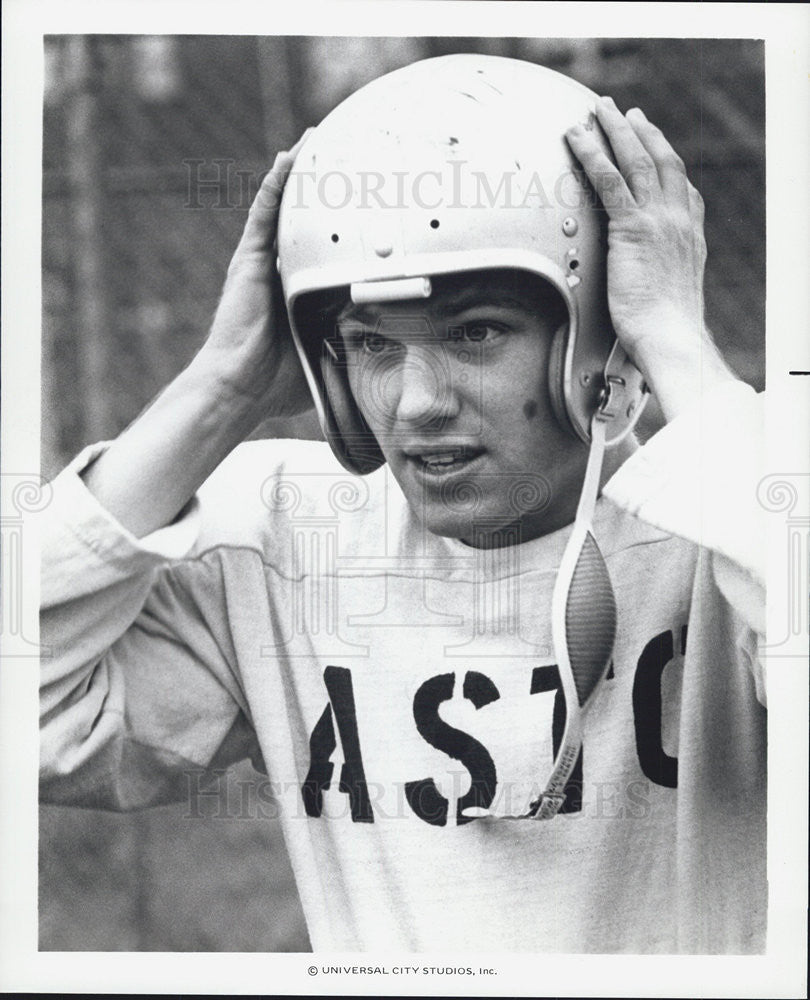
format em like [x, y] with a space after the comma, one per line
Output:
[447, 458]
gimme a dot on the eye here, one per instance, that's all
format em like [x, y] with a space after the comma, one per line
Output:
[478, 333]
[373, 343]
[360, 341]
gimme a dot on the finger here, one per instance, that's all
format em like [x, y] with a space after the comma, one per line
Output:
[635, 162]
[669, 166]
[697, 209]
[260, 230]
[262, 220]
[601, 171]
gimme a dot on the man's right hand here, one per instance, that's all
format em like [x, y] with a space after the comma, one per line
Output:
[246, 370]
[249, 353]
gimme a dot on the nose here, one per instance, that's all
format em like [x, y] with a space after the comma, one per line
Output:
[422, 388]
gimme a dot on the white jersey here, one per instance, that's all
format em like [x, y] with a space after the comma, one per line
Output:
[394, 685]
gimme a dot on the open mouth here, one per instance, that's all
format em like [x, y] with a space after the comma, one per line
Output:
[441, 462]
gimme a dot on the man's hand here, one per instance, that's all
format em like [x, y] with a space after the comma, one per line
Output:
[249, 350]
[656, 255]
[247, 370]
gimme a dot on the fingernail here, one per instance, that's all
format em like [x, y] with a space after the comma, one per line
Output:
[638, 112]
[609, 101]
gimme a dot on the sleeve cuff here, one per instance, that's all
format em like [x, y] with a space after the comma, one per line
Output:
[697, 477]
[104, 534]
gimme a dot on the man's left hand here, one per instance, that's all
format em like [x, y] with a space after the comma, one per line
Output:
[656, 254]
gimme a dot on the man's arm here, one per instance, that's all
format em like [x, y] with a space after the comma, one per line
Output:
[246, 370]
[135, 695]
[697, 477]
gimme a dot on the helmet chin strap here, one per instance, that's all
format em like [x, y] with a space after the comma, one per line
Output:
[583, 626]
[583, 605]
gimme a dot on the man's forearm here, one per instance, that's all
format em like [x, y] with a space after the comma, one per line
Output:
[682, 368]
[152, 470]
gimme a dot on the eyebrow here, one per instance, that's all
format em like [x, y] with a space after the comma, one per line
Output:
[473, 298]
[355, 314]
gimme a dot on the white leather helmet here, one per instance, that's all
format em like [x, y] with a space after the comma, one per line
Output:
[450, 165]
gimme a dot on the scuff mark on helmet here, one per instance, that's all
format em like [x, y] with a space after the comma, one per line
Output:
[492, 85]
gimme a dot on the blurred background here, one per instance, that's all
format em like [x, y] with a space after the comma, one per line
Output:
[153, 149]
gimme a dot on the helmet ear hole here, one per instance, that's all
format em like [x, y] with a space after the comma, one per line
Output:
[346, 428]
[556, 383]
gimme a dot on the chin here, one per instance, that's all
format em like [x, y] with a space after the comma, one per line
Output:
[486, 518]
[481, 531]
[444, 524]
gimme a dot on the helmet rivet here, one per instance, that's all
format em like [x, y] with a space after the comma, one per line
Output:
[631, 409]
[384, 250]
[569, 226]
[584, 378]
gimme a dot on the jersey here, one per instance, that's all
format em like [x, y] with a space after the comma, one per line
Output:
[394, 686]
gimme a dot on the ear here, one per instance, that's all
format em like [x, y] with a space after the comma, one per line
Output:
[347, 429]
[556, 367]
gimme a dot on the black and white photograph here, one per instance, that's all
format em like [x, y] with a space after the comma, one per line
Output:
[418, 517]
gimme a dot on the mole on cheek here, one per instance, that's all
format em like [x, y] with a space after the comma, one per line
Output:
[530, 409]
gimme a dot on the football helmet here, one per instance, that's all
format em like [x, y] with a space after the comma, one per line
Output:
[448, 165]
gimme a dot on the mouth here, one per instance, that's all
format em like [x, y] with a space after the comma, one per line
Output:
[442, 460]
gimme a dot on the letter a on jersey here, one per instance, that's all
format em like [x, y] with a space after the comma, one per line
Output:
[322, 744]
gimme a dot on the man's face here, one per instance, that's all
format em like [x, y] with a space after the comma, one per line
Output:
[455, 389]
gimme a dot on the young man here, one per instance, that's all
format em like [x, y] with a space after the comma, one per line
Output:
[475, 743]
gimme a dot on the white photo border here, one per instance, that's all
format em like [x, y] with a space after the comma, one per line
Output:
[785, 29]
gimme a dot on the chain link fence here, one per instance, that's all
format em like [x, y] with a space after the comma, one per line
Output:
[153, 147]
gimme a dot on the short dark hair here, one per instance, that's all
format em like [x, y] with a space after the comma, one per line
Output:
[532, 288]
